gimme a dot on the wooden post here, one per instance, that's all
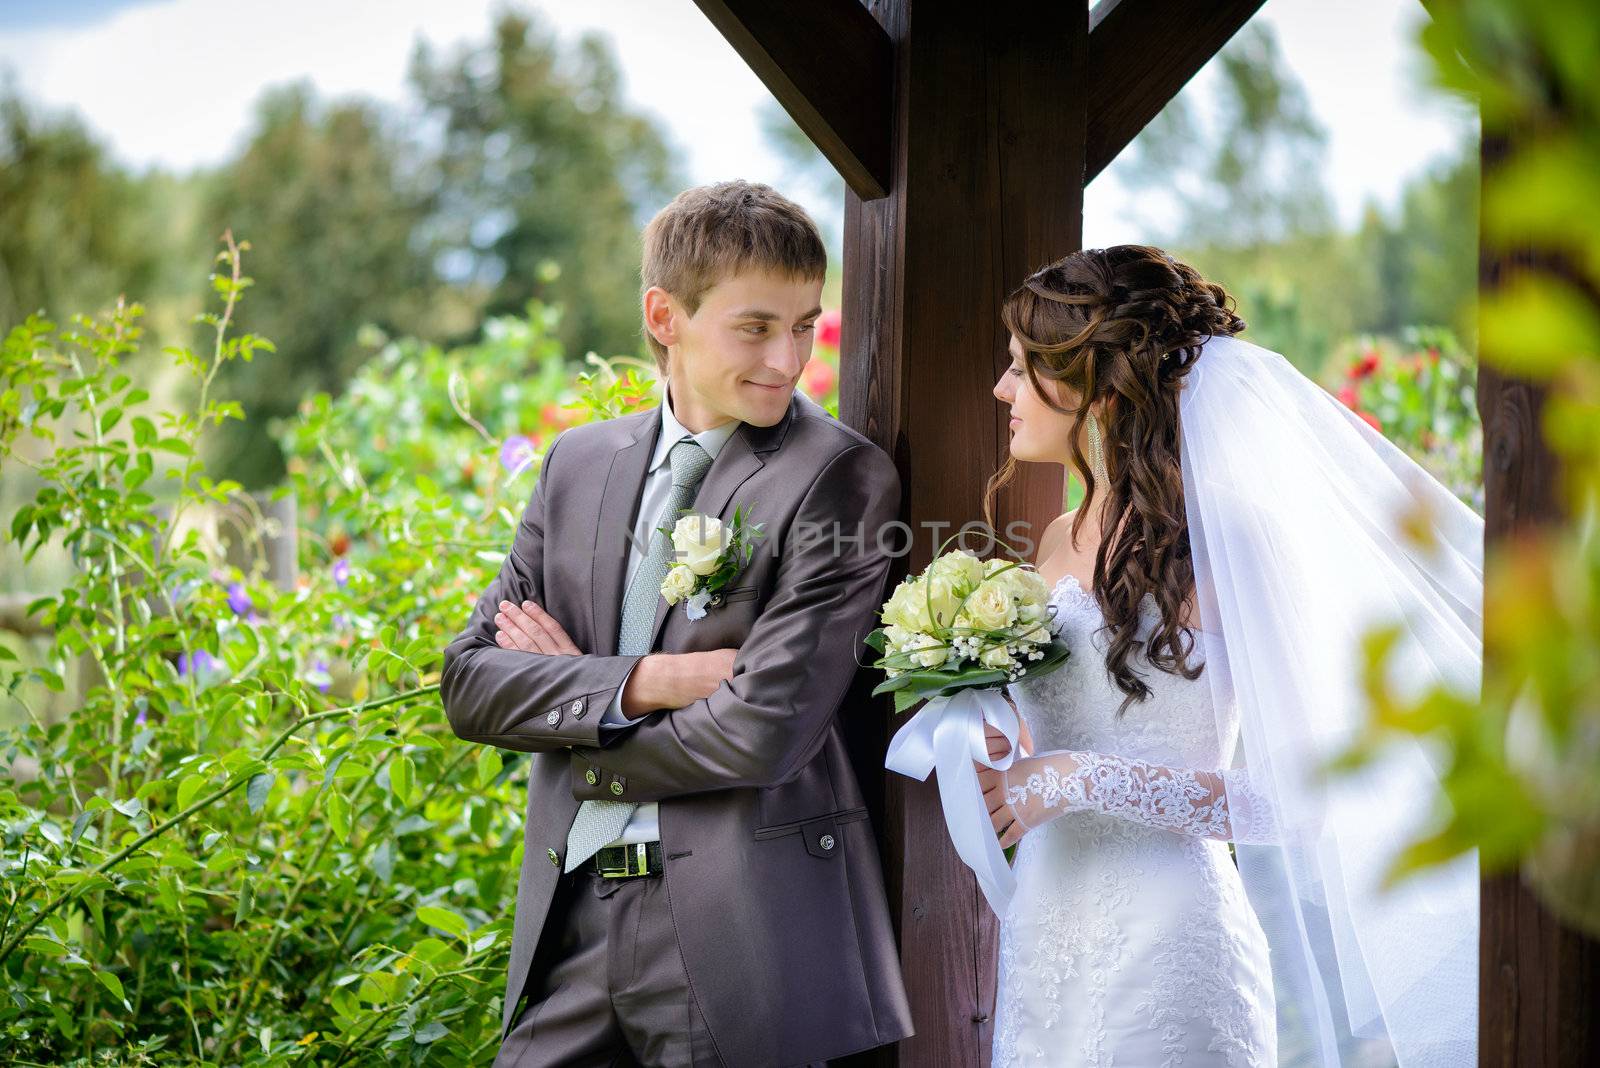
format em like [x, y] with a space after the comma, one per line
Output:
[987, 185]
[1538, 980]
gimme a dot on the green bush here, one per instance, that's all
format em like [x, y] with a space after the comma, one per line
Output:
[259, 841]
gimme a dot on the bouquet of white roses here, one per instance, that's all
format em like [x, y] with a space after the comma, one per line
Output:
[953, 636]
[964, 622]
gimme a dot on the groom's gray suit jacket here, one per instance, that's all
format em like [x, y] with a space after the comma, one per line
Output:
[771, 865]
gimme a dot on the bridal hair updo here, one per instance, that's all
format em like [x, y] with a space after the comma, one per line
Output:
[1123, 325]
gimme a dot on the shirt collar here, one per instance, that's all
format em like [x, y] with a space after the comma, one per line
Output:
[673, 432]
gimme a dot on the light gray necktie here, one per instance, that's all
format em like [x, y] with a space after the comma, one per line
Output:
[598, 823]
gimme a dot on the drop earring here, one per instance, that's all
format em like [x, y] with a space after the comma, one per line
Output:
[1097, 458]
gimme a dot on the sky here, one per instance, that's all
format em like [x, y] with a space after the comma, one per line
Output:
[173, 82]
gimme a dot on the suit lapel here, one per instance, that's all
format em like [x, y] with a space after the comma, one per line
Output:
[609, 562]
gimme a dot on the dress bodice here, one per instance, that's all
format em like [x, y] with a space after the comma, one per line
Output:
[1075, 706]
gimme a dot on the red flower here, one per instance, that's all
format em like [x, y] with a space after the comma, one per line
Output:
[1347, 394]
[339, 544]
[1366, 365]
[828, 327]
[1372, 421]
[818, 379]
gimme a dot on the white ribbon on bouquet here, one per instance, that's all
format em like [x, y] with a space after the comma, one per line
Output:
[947, 735]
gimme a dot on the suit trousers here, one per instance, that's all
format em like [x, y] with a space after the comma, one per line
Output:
[607, 984]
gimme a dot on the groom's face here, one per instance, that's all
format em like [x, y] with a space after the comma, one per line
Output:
[740, 354]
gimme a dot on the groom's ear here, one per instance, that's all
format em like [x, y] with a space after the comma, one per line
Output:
[660, 312]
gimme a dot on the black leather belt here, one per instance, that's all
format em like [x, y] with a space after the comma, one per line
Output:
[628, 861]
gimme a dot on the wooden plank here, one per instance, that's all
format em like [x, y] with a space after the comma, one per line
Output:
[831, 66]
[987, 186]
[1539, 981]
[1141, 52]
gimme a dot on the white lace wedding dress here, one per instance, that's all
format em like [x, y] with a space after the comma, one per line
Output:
[1130, 940]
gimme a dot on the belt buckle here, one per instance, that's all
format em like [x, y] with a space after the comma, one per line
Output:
[636, 861]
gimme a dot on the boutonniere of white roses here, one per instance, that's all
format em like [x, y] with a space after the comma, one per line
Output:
[709, 554]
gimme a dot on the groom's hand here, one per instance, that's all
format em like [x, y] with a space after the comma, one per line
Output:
[666, 681]
[531, 629]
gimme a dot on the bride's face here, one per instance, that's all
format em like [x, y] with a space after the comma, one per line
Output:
[1039, 433]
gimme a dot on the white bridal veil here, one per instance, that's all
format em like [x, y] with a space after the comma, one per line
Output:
[1295, 507]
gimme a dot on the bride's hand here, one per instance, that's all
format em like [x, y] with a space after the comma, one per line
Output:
[1007, 827]
[998, 746]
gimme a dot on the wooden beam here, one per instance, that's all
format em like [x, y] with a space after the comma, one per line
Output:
[831, 65]
[987, 186]
[1141, 52]
[1538, 979]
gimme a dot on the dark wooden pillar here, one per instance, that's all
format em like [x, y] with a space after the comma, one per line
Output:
[986, 185]
[1539, 981]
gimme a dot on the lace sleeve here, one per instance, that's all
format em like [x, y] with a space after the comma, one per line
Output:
[1219, 804]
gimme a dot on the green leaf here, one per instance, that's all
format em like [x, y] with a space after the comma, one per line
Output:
[443, 919]
[260, 786]
[339, 815]
[402, 779]
[111, 983]
[489, 765]
[430, 1032]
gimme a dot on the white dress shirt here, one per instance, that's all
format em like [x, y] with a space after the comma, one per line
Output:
[642, 825]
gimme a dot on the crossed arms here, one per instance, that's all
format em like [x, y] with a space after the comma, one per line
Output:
[759, 726]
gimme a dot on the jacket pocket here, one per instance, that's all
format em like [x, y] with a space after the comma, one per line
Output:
[737, 593]
[843, 815]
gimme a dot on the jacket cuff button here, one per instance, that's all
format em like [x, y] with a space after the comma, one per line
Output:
[616, 788]
[590, 777]
[554, 718]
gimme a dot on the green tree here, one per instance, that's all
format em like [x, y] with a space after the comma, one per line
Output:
[73, 226]
[329, 196]
[542, 163]
[1426, 258]
[1249, 176]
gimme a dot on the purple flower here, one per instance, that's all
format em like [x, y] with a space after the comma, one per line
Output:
[201, 662]
[516, 453]
[239, 599]
[138, 721]
[341, 621]
[319, 675]
[341, 571]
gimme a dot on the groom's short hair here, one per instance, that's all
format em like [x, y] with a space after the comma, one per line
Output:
[711, 232]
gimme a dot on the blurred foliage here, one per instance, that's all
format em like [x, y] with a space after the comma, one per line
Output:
[542, 162]
[421, 218]
[1241, 197]
[332, 188]
[1422, 393]
[74, 228]
[1522, 759]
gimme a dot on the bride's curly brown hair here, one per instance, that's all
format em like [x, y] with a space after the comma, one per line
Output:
[1123, 325]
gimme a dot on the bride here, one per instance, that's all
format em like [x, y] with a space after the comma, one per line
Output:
[1191, 889]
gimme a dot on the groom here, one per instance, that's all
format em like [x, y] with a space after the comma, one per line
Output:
[700, 884]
